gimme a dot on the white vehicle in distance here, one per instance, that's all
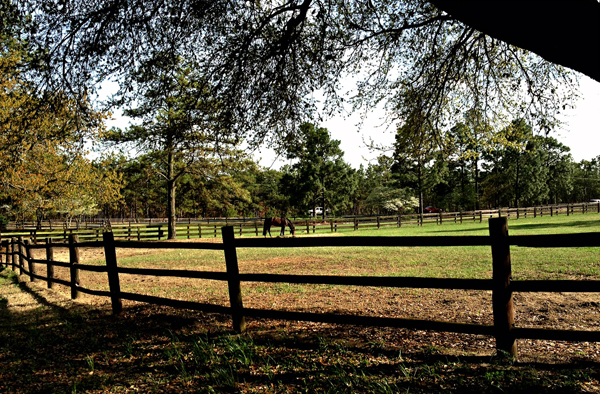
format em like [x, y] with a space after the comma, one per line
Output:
[318, 210]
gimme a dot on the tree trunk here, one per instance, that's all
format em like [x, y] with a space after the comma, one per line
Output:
[171, 187]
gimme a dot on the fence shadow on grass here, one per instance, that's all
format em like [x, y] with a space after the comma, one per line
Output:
[67, 347]
[539, 226]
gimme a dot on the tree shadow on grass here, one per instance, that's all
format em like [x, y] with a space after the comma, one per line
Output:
[516, 226]
[60, 347]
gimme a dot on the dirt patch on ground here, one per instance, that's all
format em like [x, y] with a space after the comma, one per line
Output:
[565, 311]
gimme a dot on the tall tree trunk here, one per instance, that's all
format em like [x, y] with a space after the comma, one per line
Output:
[477, 182]
[171, 187]
[517, 184]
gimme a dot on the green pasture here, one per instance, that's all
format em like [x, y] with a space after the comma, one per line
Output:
[442, 262]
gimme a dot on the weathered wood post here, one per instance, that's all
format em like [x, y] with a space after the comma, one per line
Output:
[551, 211]
[440, 217]
[355, 223]
[5, 246]
[49, 265]
[113, 274]
[502, 299]
[13, 252]
[233, 280]
[30, 263]
[461, 215]
[21, 250]
[378, 222]
[331, 224]
[73, 263]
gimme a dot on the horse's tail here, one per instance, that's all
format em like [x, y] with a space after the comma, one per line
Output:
[266, 226]
[291, 225]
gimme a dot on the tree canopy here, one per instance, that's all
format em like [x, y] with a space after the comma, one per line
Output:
[268, 61]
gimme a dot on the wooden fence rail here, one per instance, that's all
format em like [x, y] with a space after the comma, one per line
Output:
[501, 284]
[149, 230]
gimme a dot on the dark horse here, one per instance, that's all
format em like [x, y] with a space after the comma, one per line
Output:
[279, 222]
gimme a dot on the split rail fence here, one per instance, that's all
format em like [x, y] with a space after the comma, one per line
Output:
[18, 256]
[153, 229]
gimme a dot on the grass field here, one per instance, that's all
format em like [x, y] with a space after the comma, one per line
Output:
[51, 344]
[459, 262]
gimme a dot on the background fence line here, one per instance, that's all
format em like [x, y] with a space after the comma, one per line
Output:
[17, 251]
[204, 228]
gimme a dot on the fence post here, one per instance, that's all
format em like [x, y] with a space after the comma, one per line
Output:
[13, 252]
[331, 224]
[233, 279]
[112, 271]
[21, 255]
[49, 265]
[440, 218]
[2, 244]
[73, 263]
[5, 245]
[502, 299]
[378, 222]
[30, 263]
[399, 221]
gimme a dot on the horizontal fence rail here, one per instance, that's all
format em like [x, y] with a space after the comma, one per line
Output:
[16, 255]
[156, 229]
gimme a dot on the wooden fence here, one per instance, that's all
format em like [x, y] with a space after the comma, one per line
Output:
[18, 252]
[156, 229]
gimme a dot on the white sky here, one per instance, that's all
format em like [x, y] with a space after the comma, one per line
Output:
[581, 132]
